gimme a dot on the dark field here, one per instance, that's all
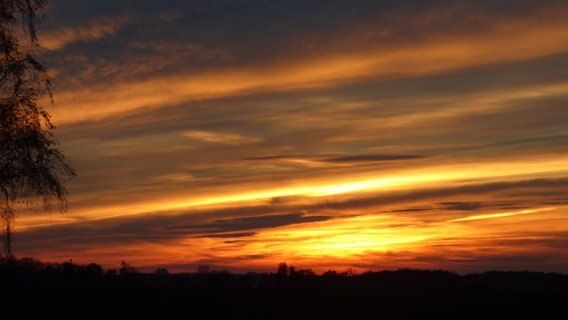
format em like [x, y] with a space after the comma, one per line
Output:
[32, 289]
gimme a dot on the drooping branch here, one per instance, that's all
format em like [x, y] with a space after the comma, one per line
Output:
[32, 167]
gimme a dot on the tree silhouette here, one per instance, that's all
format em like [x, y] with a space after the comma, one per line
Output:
[32, 168]
[203, 269]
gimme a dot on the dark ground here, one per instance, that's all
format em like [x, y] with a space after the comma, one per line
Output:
[30, 289]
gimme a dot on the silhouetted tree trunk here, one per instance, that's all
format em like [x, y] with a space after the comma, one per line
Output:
[32, 167]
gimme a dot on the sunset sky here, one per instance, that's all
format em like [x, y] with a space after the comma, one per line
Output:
[327, 134]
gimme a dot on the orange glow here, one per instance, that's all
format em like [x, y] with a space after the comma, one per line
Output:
[322, 187]
[378, 241]
[349, 239]
[355, 182]
[500, 215]
[523, 41]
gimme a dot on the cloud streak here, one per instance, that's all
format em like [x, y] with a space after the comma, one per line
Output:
[222, 138]
[516, 40]
[94, 30]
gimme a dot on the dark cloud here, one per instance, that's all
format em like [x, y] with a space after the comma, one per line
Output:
[411, 210]
[462, 206]
[156, 227]
[506, 262]
[539, 186]
[253, 223]
[228, 235]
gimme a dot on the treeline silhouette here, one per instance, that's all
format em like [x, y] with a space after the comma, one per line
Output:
[286, 293]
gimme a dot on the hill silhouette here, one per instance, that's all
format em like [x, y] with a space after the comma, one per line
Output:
[72, 290]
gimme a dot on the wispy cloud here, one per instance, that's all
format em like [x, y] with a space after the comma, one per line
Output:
[221, 138]
[521, 39]
[175, 177]
[89, 31]
[500, 214]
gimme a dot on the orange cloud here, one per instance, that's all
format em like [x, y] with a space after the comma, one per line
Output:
[520, 41]
[93, 30]
[316, 187]
[221, 138]
[500, 214]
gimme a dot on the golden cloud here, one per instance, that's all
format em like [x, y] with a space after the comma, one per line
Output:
[438, 55]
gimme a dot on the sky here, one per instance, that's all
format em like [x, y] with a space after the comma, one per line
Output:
[327, 134]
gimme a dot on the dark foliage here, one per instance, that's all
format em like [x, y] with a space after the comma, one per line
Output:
[31, 165]
[86, 290]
